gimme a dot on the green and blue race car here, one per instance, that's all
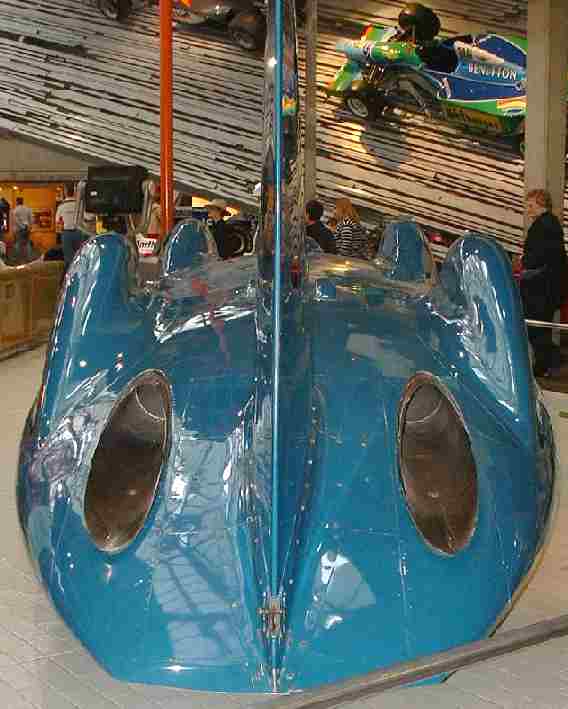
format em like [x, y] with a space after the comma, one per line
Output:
[477, 82]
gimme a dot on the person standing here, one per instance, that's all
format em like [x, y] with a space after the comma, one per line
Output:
[544, 276]
[4, 217]
[2, 255]
[155, 223]
[23, 219]
[23, 250]
[316, 230]
[351, 238]
[71, 238]
[217, 211]
[229, 243]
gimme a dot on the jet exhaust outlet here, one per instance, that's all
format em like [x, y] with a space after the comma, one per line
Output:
[437, 468]
[127, 463]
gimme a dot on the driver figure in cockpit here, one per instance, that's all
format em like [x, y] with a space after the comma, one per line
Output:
[417, 24]
[420, 25]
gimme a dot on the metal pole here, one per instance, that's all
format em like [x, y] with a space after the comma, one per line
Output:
[424, 667]
[277, 285]
[166, 117]
[311, 115]
[278, 134]
[547, 325]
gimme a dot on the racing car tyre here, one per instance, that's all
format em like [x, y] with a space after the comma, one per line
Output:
[248, 30]
[361, 106]
[115, 9]
[519, 141]
[519, 145]
[409, 92]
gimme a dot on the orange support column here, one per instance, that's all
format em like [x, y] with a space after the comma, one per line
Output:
[166, 117]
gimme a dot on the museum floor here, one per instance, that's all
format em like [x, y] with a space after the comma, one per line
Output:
[43, 666]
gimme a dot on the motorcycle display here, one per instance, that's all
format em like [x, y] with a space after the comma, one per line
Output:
[475, 82]
[115, 9]
[244, 20]
[270, 473]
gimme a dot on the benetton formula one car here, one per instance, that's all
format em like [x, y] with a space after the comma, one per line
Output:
[476, 82]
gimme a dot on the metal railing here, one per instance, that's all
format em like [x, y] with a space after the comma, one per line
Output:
[423, 668]
[548, 325]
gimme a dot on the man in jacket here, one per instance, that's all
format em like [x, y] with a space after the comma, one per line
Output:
[229, 244]
[544, 277]
[316, 230]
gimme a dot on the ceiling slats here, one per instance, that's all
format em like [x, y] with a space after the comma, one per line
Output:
[73, 79]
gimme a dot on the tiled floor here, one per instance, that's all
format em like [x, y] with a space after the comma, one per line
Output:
[43, 666]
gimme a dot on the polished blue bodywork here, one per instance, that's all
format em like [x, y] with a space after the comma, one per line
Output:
[501, 74]
[359, 586]
[180, 604]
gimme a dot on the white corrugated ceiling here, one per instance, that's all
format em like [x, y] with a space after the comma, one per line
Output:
[75, 80]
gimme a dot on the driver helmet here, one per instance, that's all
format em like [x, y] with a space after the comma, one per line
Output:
[419, 22]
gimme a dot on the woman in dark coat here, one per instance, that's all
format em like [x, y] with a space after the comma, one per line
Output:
[544, 279]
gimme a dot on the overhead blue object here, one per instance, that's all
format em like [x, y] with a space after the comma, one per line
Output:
[219, 499]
